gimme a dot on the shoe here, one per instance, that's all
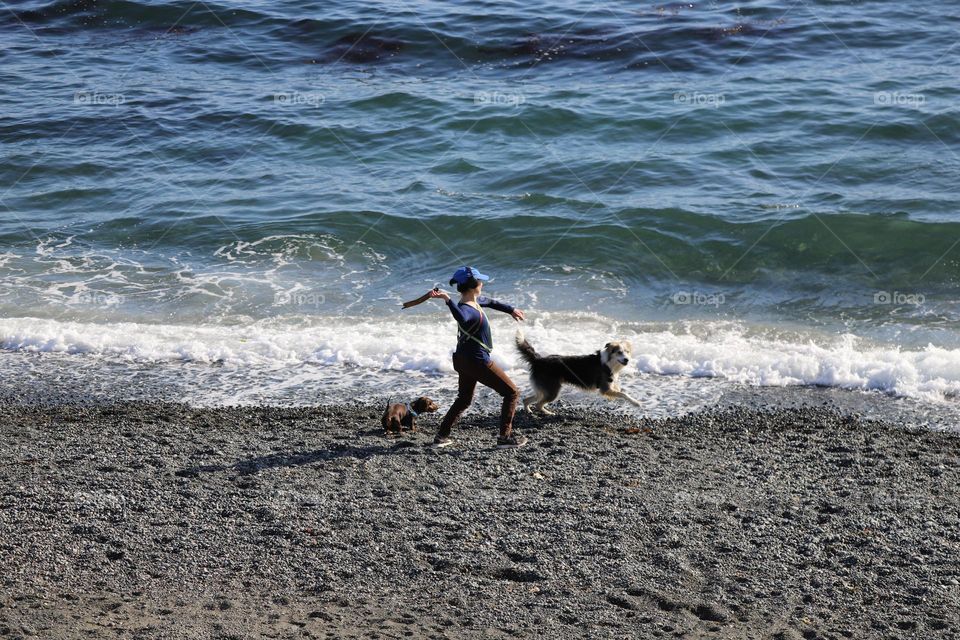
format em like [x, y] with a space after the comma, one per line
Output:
[511, 442]
[439, 442]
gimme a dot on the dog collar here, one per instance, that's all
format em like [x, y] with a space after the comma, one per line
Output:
[410, 409]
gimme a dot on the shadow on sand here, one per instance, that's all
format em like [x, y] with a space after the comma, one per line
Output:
[298, 458]
[338, 451]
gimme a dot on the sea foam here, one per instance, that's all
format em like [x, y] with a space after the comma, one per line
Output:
[419, 345]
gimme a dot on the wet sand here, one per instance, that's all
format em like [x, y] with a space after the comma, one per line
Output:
[149, 520]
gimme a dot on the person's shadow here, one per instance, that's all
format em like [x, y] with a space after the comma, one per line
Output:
[299, 458]
[336, 451]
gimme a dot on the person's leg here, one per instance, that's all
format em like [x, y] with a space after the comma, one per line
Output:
[465, 388]
[494, 377]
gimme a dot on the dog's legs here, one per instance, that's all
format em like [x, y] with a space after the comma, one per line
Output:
[549, 395]
[413, 425]
[621, 395]
[545, 411]
[535, 397]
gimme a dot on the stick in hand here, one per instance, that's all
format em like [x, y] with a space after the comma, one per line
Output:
[423, 298]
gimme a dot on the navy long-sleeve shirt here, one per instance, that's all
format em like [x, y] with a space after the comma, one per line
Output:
[473, 322]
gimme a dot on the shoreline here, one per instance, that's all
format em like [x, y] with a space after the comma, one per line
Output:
[157, 520]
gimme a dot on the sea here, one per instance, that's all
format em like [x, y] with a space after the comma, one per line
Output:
[227, 202]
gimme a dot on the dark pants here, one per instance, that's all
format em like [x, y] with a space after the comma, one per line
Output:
[471, 372]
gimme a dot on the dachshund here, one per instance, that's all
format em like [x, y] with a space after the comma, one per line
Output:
[399, 416]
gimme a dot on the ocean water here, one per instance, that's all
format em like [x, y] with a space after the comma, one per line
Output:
[227, 201]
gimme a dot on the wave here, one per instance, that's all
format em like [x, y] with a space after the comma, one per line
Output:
[674, 40]
[176, 17]
[350, 349]
[875, 250]
[783, 245]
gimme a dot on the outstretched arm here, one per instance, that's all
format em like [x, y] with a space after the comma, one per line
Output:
[484, 301]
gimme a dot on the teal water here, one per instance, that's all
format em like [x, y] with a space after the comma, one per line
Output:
[759, 192]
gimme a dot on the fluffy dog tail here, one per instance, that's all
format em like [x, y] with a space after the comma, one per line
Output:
[527, 352]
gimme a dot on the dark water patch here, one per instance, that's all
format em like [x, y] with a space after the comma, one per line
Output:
[458, 166]
[673, 41]
[74, 127]
[69, 196]
[528, 122]
[173, 17]
[363, 48]
[415, 105]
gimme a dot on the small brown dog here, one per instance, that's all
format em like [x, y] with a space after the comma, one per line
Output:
[399, 416]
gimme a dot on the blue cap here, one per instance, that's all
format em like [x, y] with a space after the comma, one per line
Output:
[465, 273]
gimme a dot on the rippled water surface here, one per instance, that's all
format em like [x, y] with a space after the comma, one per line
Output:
[758, 193]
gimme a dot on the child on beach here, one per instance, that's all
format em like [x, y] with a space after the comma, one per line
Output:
[471, 359]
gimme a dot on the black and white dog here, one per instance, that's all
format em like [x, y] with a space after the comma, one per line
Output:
[597, 371]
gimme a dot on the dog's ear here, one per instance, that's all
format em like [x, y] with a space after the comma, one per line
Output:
[421, 404]
[606, 346]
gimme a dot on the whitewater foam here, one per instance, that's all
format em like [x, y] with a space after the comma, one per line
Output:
[347, 351]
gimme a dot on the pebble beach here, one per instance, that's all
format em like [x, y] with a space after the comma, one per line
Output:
[149, 520]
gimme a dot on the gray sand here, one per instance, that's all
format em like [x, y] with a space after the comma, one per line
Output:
[162, 521]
